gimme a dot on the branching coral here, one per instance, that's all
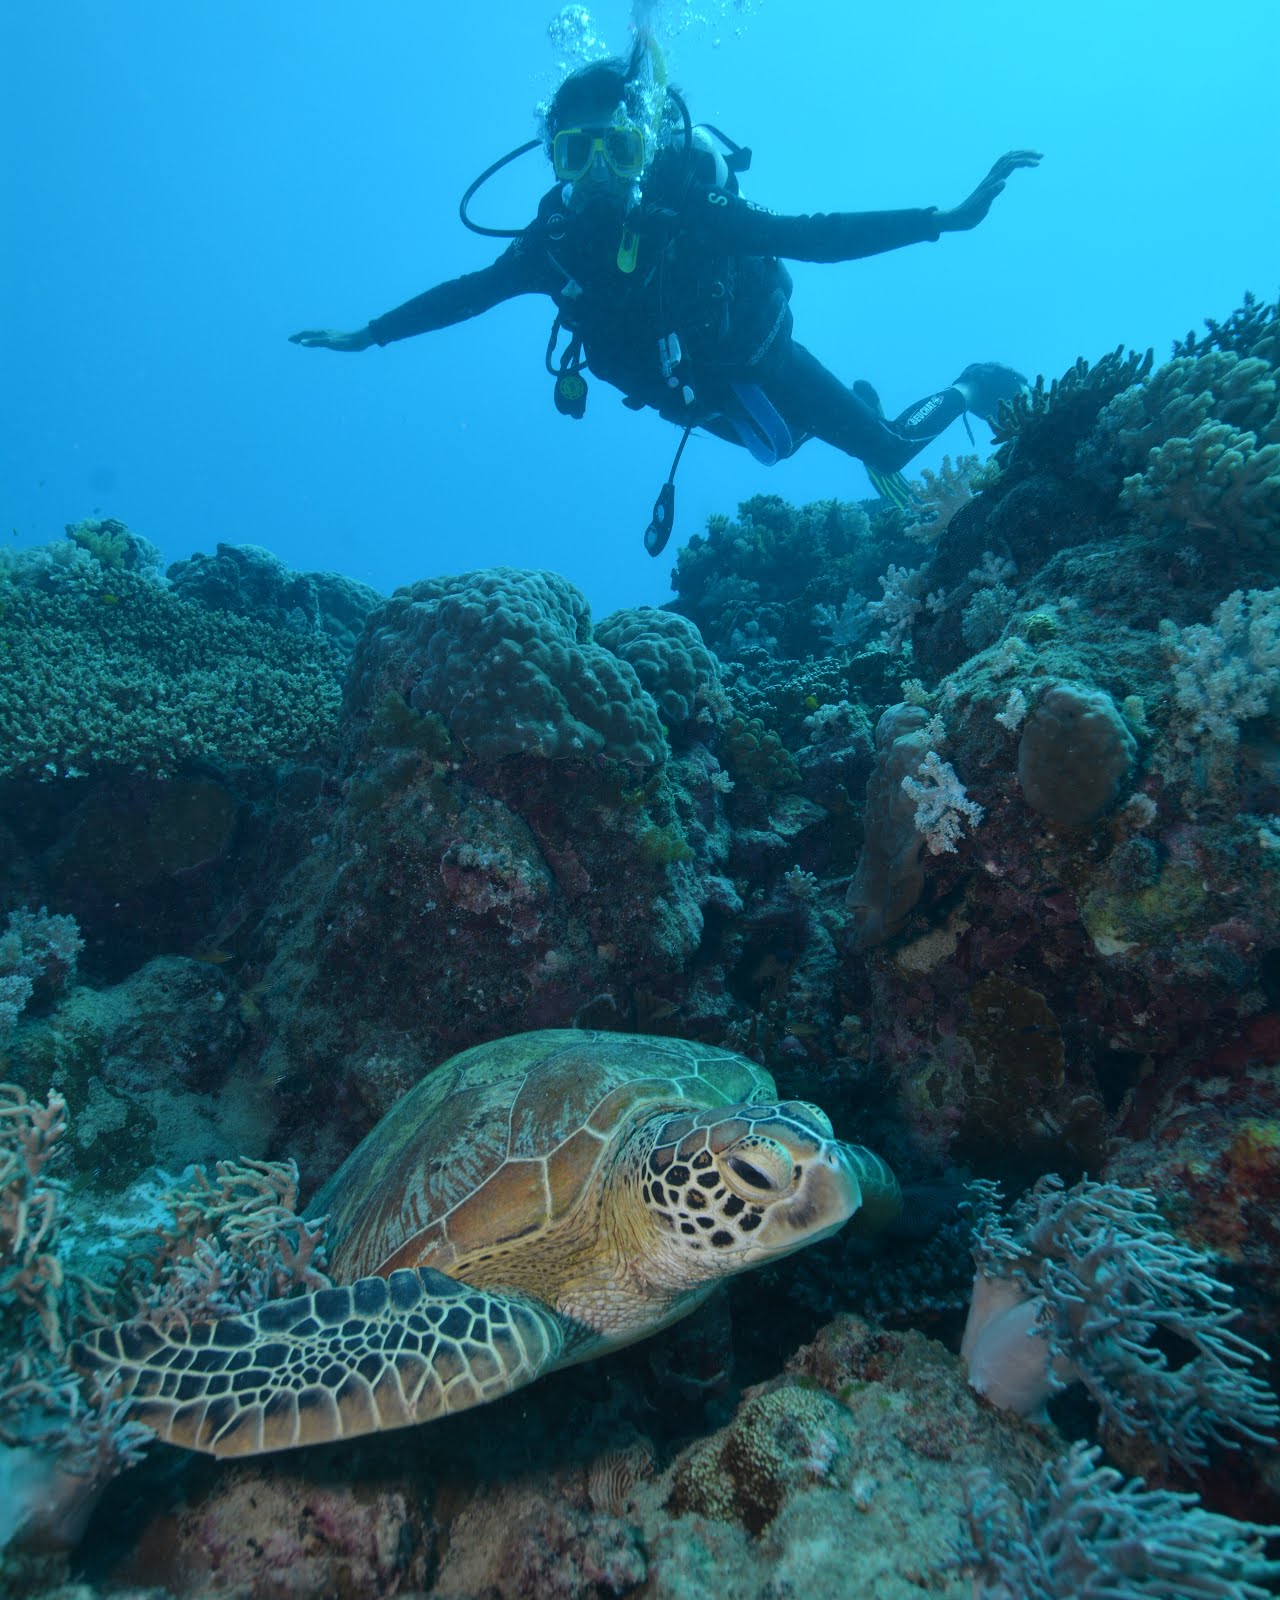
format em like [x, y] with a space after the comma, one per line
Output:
[30, 1271]
[1086, 1285]
[937, 497]
[57, 1449]
[1226, 673]
[235, 1241]
[1218, 478]
[115, 546]
[1253, 329]
[1082, 391]
[1088, 1534]
[1195, 443]
[37, 951]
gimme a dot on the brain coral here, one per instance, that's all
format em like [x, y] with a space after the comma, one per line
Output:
[670, 659]
[507, 659]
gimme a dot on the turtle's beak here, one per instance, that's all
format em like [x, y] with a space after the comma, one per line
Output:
[877, 1199]
[842, 1184]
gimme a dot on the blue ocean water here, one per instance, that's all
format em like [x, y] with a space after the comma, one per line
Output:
[186, 187]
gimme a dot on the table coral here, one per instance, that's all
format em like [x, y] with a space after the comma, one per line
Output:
[109, 669]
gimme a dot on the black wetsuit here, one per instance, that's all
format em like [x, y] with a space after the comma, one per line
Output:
[706, 268]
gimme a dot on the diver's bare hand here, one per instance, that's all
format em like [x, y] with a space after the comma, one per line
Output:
[969, 213]
[332, 339]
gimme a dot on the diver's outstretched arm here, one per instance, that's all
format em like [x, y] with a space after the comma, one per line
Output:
[517, 271]
[333, 339]
[969, 213]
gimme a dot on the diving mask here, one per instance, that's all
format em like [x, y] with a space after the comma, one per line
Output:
[622, 144]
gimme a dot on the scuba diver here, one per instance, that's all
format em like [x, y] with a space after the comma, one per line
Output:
[669, 284]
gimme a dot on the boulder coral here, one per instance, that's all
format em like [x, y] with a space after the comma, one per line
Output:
[506, 659]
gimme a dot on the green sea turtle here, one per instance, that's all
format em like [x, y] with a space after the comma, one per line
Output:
[532, 1203]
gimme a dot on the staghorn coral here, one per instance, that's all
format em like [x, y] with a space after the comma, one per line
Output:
[111, 670]
[235, 1241]
[1070, 404]
[1086, 1285]
[227, 1243]
[37, 953]
[507, 659]
[30, 1271]
[57, 1448]
[1087, 1532]
[1253, 329]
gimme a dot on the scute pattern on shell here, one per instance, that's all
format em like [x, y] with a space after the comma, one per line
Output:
[499, 1143]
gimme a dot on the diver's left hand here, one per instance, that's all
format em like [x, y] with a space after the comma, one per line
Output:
[969, 213]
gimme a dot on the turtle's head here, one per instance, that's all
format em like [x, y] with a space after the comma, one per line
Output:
[737, 1186]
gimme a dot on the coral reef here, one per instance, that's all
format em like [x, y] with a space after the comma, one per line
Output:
[104, 667]
[314, 842]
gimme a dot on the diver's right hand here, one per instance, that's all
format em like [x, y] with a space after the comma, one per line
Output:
[332, 339]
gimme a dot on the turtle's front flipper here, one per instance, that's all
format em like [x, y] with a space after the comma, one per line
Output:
[380, 1353]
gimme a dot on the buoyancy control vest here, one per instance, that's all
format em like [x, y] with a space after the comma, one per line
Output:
[646, 308]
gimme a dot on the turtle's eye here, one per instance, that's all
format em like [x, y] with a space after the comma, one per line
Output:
[758, 1169]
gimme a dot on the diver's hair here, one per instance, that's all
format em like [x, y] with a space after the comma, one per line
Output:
[616, 79]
